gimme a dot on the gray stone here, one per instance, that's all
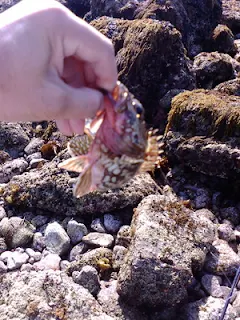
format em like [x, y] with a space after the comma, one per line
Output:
[167, 244]
[202, 199]
[49, 261]
[33, 146]
[36, 163]
[232, 214]
[48, 295]
[77, 251]
[225, 232]
[112, 223]
[36, 155]
[222, 260]
[212, 284]
[38, 241]
[207, 309]
[16, 231]
[236, 303]
[88, 278]
[33, 254]
[98, 239]
[119, 253]
[39, 220]
[2, 213]
[56, 239]
[98, 226]
[76, 231]
[64, 264]
[12, 168]
[16, 260]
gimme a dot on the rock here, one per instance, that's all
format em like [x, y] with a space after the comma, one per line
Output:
[88, 278]
[212, 284]
[225, 232]
[3, 267]
[76, 231]
[231, 87]
[223, 40]
[236, 303]
[100, 259]
[11, 168]
[64, 264]
[168, 242]
[202, 199]
[207, 309]
[195, 20]
[144, 48]
[2, 213]
[16, 232]
[222, 260]
[199, 144]
[39, 220]
[124, 236]
[16, 260]
[33, 254]
[46, 294]
[37, 163]
[33, 146]
[77, 251]
[119, 253]
[98, 226]
[13, 137]
[3, 246]
[112, 304]
[49, 262]
[231, 15]
[97, 239]
[34, 156]
[112, 222]
[47, 189]
[212, 68]
[56, 239]
[232, 214]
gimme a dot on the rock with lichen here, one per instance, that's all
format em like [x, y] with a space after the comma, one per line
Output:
[213, 68]
[195, 19]
[154, 273]
[46, 295]
[49, 189]
[150, 57]
[231, 87]
[203, 133]
[223, 40]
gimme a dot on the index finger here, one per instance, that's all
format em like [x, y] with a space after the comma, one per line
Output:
[86, 43]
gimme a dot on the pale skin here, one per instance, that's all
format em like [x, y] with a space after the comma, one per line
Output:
[52, 65]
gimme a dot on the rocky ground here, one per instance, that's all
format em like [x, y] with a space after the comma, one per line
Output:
[167, 245]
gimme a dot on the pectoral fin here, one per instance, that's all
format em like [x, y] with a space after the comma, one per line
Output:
[73, 164]
[84, 183]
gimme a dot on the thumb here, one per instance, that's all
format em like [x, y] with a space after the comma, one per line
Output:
[79, 103]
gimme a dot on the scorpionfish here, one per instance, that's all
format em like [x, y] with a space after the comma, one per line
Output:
[115, 146]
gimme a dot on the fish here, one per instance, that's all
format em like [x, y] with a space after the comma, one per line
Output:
[115, 145]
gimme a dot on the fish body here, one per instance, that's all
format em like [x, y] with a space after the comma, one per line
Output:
[115, 146]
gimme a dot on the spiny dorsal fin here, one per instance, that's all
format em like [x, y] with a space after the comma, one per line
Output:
[84, 182]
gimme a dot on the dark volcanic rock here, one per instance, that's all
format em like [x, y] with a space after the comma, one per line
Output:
[195, 19]
[231, 14]
[231, 87]
[151, 59]
[223, 40]
[168, 243]
[212, 68]
[48, 189]
[203, 132]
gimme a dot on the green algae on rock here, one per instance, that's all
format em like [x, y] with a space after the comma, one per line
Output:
[203, 132]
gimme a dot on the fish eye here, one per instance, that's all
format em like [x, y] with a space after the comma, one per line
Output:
[138, 107]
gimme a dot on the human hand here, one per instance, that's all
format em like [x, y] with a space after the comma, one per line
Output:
[52, 64]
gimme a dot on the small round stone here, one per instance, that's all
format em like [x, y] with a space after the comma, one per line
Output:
[33, 254]
[38, 242]
[56, 239]
[77, 251]
[98, 226]
[34, 146]
[119, 253]
[97, 239]
[50, 261]
[39, 220]
[112, 223]
[212, 284]
[88, 278]
[76, 231]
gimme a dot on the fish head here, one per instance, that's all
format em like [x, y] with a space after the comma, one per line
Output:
[126, 115]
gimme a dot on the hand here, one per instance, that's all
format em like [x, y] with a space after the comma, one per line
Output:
[52, 64]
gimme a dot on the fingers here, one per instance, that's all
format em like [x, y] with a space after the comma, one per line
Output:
[70, 127]
[86, 43]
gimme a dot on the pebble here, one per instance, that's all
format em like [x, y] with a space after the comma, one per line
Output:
[56, 239]
[119, 253]
[202, 199]
[15, 259]
[225, 232]
[3, 267]
[124, 236]
[39, 220]
[2, 213]
[98, 226]
[36, 155]
[98, 239]
[50, 261]
[212, 284]
[77, 251]
[35, 163]
[88, 278]
[33, 146]
[112, 223]
[12, 168]
[76, 231]
[64, 264]
[236, 303]
[38, 243]
[27, 267]
[36, 255]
